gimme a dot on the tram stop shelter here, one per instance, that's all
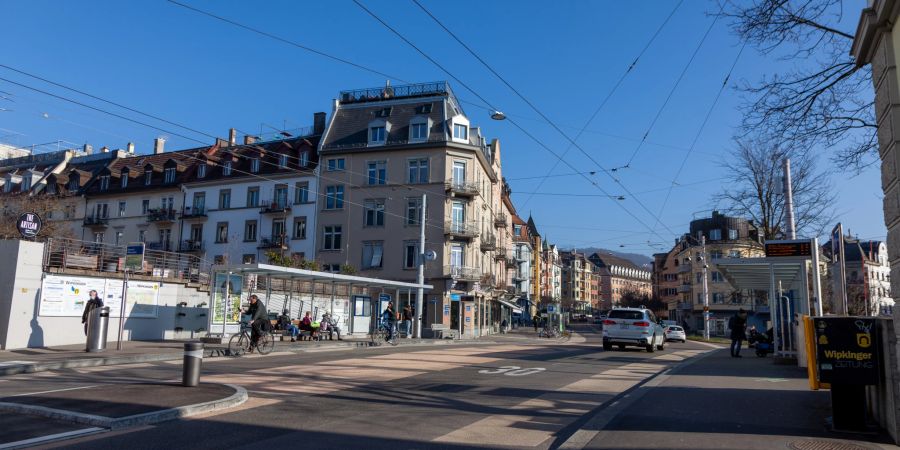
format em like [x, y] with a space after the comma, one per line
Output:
[353, 301]
[789, 274]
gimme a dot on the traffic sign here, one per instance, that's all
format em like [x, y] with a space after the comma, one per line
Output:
[134, 256]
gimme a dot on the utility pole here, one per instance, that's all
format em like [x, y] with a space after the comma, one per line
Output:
[789, 225]
[420, 278]
[705, 288]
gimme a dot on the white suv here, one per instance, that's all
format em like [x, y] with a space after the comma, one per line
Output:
[635, 327]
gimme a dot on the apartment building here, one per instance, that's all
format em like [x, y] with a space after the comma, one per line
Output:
[551, 274]
[618, 276]
[523, 254]
[868, 279]
[383, 149]
[244, 202]
[536, 264]
[576, 281]
[665, 279]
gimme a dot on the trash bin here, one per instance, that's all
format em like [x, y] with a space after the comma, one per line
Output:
[98, 323]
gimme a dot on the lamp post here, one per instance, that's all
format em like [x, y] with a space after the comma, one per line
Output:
[420, 277]
[705, 288]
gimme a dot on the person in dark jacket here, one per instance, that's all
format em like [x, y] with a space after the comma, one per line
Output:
[259, 319]
[738, 325]
[92, 303]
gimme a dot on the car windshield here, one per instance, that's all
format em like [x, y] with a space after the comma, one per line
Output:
[626, 314]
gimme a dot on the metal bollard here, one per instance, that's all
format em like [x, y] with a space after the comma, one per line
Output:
[193, 359]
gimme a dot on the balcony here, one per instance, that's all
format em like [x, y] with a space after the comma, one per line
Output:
[165, 246]
[488, 243]
[275, 207]
[511, 262]
[466, 230]
[161, 215]
[500, 220]
[273, 242]
[500, 253]
[197, 212]
[684, 268]
[684, 288]
[461, 188]
[462, 273]
[519, 277]
[190, 246]
[96, 222]
[683, 305]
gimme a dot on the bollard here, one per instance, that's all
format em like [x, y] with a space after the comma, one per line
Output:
[193, 358]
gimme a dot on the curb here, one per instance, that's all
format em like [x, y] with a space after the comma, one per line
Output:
[238, 397]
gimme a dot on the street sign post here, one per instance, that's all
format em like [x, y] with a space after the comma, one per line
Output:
[134, 260]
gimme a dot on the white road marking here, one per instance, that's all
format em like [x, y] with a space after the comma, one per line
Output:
[15, 363]
[50, 438]
[56, 390]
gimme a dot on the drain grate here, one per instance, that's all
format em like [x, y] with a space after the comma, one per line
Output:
[821, 444]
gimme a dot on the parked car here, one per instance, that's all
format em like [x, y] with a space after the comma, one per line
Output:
[636, 327]
[675, 333]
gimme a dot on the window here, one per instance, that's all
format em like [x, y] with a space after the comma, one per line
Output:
[413, 211]
[222, 233]
[377, 135]
[335, 164]
[332, 238]
[374, 213]
[460, 131]
[101, 211]
[167, 204]
[733, 234]
[145, 207]
[717, 277]
[456, 255]
[372, 254]
[459, 173]
[377, 172]
[142, 235]
[715, 254]
[335, 268]
[282, 161]
[169, 175]
[98, 238]
[121, 209]
[700, 298]
[457, 213]
[278, 230]
[201, 170]
[301, 193]
[250, 231]
[148, 177]
[418, 131]
[199, 205]
[699, 277]
[304, 158]
[299, 228]
[226, 168]
[334, 197]
[224, 198]
[249, 258]
[718, 297]
[252, 197]
[254, 165]
[410, 251]
[734, 254]
[281, 196]
[715, 235]
[418, 171]
[73, 183]
[197, 233]
[119, 238]
[124, 179]
[104, 183]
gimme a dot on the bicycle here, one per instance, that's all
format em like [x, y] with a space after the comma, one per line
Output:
[240, 343]
[381, 333]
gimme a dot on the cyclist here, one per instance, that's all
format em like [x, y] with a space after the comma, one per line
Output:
[259, 319]
[389, 318]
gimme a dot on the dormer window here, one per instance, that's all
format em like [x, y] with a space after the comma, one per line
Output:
[169, 174]
[124, 179]
[51, 188]
[26, 183]
[226, 168]
[418, 129]
[201, 170]
[378, 131]
[460, 132]
[73, 183]
[304, 158]
[282, 161]
[104, 182]
[148, 177]
[254, 165]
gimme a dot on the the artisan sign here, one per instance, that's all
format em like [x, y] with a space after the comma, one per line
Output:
[847, 350]
[801, 248]
[29, 225]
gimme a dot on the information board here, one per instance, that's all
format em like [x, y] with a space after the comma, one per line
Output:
[233, 284]
[65, 296]
[142, 301]
[847, 350]
[789, 248]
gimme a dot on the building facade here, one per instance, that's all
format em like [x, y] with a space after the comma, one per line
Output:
[619, 276]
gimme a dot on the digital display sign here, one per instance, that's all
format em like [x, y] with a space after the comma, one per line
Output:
[789, 248]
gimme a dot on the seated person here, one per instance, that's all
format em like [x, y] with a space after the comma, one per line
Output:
[332, 327]
[284, 323]
[306, 324]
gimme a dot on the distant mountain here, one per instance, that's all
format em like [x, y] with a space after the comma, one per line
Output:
[640, 260]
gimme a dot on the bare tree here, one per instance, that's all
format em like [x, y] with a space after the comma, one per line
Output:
[826, 100]
[753, 188]
[49, 208]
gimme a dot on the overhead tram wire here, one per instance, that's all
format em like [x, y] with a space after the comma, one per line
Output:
[700, 131]
[205, 144]
[546, 119]
[519, 127]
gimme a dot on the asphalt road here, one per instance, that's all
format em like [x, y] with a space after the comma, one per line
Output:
[521, 392]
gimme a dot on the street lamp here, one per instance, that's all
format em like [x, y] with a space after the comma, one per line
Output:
[498, 115]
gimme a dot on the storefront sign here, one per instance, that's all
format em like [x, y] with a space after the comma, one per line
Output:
[29, 225]
[847, 350]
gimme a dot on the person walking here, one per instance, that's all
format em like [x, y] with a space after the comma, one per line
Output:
[407, 321]
[738, 326]
[389, 318]
[93, 302]
[536, 321]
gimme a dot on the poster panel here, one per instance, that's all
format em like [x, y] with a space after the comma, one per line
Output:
[65, 296]
[233, 284]
[142, 300]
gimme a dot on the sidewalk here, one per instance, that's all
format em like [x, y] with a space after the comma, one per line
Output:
[720, 402]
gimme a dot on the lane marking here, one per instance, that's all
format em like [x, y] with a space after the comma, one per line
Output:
[55, 390]
[51, 438]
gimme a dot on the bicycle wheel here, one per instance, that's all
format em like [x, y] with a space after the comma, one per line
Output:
[378, 337]
[238, 344]
[266, 344]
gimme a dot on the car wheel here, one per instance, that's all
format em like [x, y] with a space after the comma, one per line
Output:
[650, 347]
[662, 345]
[621, 347]
[683, 341]
[607, 346]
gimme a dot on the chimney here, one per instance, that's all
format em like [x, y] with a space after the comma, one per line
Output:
[232, 136]
[104, 149]
[88, 149]
[159, 145]
[249, 139]
[130, 147]
[318, 123]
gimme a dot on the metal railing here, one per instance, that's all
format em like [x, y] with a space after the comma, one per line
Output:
[683, 305]
[273, 242]
[389, 92]
[684, 288]
[462, 273]
[193, 213]
[684, 268]
[500, 253]
[74, 256]
[96, 221]
[275, 207]
[500, 220]
[488, 242]
[160, 215]
[461, 229]
[462, 187]
[190, 246]
[159, 245]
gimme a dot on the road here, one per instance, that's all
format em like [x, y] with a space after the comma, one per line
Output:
[518, 392]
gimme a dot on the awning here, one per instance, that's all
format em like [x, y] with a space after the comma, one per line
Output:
[515, 308]
[754, 273]
[289, 273]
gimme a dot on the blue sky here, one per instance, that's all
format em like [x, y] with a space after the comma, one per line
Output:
[564, 56]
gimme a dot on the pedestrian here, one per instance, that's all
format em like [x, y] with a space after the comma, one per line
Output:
[389, 319]
[92, 303]
[738, 326]
[407, 321]
[536, 320]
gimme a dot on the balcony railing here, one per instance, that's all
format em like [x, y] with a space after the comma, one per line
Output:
[500, 253]
[197, 212]
[500, 220]
[273, 242]
[389, 92]
[461, 229]
[488, 242]
[517, 277]
[683, 305]
[462, 273]
[160, 215]
[684, 288]
[96, 221]
[190, 246]
[462, 187]
[684, 268]
[165, 246]
[275, 207]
